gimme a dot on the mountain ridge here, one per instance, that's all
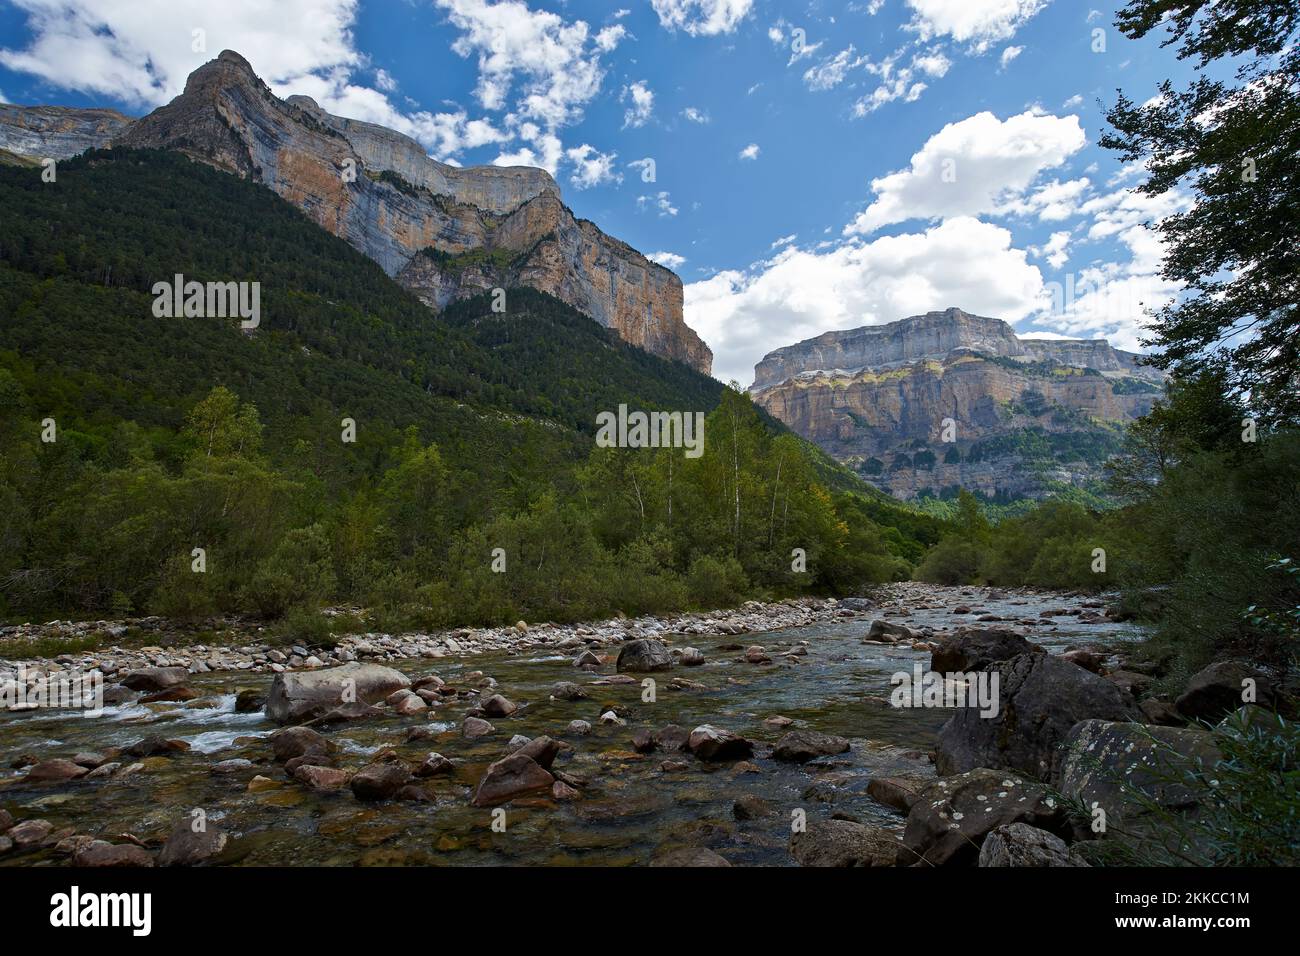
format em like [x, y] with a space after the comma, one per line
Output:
[377, 189]
[947, 400]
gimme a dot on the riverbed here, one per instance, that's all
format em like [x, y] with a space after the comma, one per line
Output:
[632, 807]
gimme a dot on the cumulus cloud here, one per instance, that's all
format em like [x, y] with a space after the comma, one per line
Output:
[556, 62]
[976, 166]
[702, 17]
[641, 102]
[670, 260]
[591, 167]
[799, 293]
[750, 152]
[981, 23]
[1009, 54]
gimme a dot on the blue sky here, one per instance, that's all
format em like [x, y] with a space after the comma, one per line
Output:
[816, 165]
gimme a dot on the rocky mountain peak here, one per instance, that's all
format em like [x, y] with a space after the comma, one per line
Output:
[443, 231]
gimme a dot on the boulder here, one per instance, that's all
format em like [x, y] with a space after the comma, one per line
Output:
[800, 746]
[475, 727]
[543, 750]
[567, 690]
[321, 779]
[1040, 698]
[1218, 690]
[1088, 660]
[897, 793]
[1128, 769]
[380, 781]
[587, 659]
[156, 746]
[434, 765]
[54, 770]
[498, 706]
[101, 854]
[689, 856]
[953, 815]
[185, 847]
[672, 737]
[301, 696]
[841, 843]
[643, 656]
[29, 833]
[298, 741]
[882, 630]
[713, 743]
[155, 678]
[407, 703]
[692, 657]
[1019, 844]
[510, 777]
[975, 648]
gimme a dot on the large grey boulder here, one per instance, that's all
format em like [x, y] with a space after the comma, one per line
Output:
[841, 843]
[644, 656]
[1040, 698]
[800, 746]
[1220, 689]
[299, 697]
[1132, 770]
[155, 678]
[882, 630]
[975, 648]
[948, 823]
[1019, 844]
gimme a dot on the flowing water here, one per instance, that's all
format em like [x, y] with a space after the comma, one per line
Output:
[630, 809]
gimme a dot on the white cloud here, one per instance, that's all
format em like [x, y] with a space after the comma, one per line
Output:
[556, 62]
[669, 260]
[830, 72]
[1055, 249]
[981, 23]
[695, 115]
[661, 202]
[978, 165]
[1009, 54]
[384, 80]
[701, 17]
[785, 240]
[142, 52]
[1072, 102]
[641, 105]
[545, 150]
[800, 293]
[750, 152]
[901, 82]
[591, 167]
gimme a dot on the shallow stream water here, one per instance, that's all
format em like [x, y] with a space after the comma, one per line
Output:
[630, 809]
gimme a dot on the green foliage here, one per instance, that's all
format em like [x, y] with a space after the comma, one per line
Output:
[1233, 142]
[1245, 814]
[473, 435]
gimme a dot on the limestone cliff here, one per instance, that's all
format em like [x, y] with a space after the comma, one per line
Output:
[418, 218]
[57, 132]
[949, 400]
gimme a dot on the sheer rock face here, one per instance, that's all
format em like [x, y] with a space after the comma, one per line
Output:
[380, 191]
[57, 132]
[876, 398]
